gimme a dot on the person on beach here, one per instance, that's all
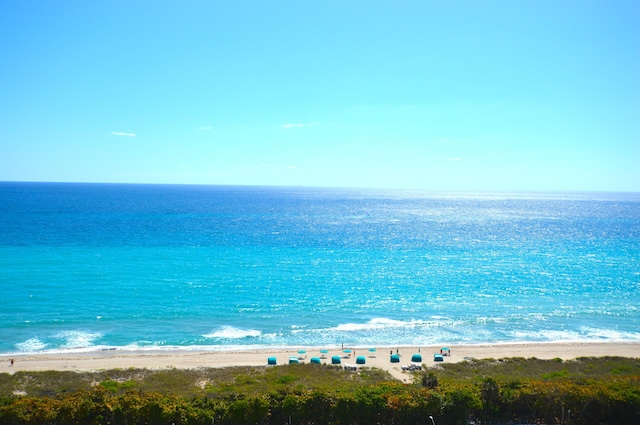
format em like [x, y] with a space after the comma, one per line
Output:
[11, 363]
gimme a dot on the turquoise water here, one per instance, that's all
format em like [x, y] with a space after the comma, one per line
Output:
[86, 266]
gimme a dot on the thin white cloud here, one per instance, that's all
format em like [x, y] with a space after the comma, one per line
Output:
[123, 134]
[292, 125]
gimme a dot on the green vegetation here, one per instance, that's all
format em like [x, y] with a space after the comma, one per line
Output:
[595, 390]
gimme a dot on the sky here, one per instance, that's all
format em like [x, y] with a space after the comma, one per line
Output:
[513, 95]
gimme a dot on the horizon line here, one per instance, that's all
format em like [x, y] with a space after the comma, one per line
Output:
[366, 188]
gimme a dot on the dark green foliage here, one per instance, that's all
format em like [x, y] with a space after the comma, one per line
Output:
[429, 380]
[490, 397]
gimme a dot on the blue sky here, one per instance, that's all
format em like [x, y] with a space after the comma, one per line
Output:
[456, 95]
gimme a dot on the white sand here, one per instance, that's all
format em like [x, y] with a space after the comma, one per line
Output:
[121, 359]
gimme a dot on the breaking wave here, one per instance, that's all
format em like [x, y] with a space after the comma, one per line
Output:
[230, 332]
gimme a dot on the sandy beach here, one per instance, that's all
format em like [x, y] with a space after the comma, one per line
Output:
[113, 359]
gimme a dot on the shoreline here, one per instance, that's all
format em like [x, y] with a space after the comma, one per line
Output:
[92, 361]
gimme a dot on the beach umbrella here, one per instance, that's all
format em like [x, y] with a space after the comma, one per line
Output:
[324, 351]
[302, 351]
[346, 351]
[372, 350]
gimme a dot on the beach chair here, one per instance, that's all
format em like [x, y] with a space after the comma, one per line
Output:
[411, 367]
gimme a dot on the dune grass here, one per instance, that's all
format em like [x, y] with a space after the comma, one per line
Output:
[518, 368]
[191, 382]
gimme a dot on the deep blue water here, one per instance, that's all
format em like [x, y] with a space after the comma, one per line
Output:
[90, 266]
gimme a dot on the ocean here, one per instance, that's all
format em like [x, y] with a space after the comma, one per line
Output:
[174, 267]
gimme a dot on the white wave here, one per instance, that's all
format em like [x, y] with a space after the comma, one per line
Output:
[582, 335]
[544, 334]
[77, 350]
[610, 334]
[78, 339]
[133, 348]
[483, 320]
[229, 332]
[31, 345]
[382, 323]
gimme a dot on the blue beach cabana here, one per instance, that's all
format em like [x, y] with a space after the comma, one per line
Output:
[361, 360]
[416, 358]
[294, 360]
[315, 360]
[272, 361]
[335, 360]
[395, 358]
